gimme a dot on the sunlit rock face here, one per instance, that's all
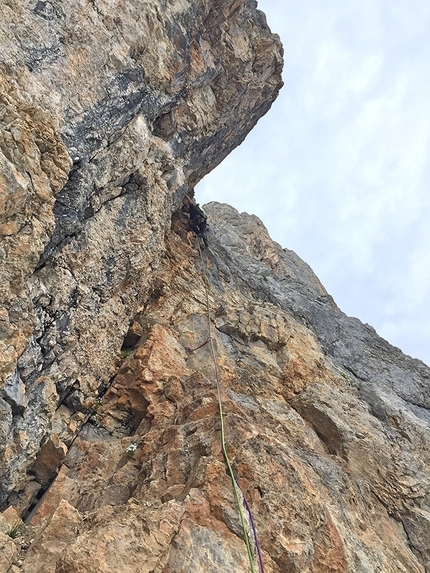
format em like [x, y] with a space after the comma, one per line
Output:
[109, 425]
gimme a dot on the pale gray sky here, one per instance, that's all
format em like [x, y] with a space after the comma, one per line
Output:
[338, 170]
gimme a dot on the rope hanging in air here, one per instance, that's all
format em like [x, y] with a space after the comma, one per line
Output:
[238, 493]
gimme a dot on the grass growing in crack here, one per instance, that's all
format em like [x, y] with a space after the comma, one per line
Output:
[15, 530]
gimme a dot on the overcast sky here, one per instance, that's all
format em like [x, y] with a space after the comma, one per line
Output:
[338, 169]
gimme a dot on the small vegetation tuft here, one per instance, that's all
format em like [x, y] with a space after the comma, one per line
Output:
[15, 530]
[130, 450]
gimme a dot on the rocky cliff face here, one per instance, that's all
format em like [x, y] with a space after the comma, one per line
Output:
[110, 113]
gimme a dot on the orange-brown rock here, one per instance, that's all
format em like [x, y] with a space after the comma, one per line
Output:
[304, 445]
[51, 455]
[110, 430]
[110, 113]
[52, 540]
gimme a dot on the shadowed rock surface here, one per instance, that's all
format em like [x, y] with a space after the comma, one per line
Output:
[110, 113]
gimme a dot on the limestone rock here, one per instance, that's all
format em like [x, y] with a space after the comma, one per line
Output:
[34, 165]
[66, 424]
[8, 552]
[332, 487]
[9, 522]
[417, 526]
[53, 539]
[110, 113]
[109, 417]
[51, 454]
[8, 519]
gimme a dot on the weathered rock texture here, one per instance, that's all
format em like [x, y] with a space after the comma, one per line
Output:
[327, 425]
[114, 110]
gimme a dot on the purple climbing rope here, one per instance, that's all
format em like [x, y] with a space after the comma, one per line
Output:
[235, 481]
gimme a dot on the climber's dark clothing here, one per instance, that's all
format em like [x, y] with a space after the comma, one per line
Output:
[199, 227]
[198, 221]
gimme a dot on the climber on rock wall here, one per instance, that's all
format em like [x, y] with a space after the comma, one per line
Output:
[198, 219]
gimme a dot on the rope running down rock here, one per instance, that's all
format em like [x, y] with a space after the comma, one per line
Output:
[234, 480]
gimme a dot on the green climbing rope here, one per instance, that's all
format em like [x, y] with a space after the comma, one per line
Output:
[233, 478]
